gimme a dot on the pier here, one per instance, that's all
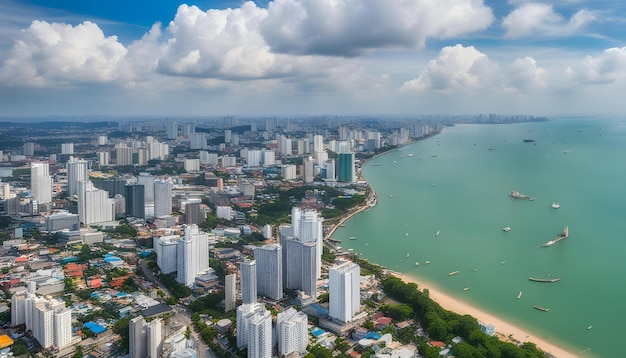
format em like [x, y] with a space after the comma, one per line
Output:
[560, 237]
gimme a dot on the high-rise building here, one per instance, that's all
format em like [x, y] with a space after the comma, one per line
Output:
[193, 255]
[309, 173]
[269, 271]
[165, 248]
[193, 212]
[248, 281]
[192, 165]
[102, 140]
[318, 143]
[103, 158]
[137, 338]
[245, 312]
[162, 198]
[230, 292]
[147, 181]
[94, 205]
[330, 170]
[134, 195]
[172, 130]
[300, 265]
[292, 333]
[345, 168]
[269, 158]
[307, 228]
[124, 155]
[154, 339]
[260, 334]
[76, 172]
[67, 148]
[28, 149]
[288, 172]
[208, 158]
[229, 161]
[40, 182]
[48, 319]
[62, 327]
[343, 289]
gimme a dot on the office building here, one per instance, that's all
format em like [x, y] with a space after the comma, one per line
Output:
[40, 182]
[134, 195]
[292, 332]
[192, 255]
[269, 271]
[345, 168]
[172, 130]
[166, 250]
[147, 181]
[162, 198]
[76, 172]
[137, 347]
[248, 272]
[194, 214]
[230, 292]
[343, 289]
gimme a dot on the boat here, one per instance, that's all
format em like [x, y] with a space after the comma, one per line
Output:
[528, 140]
[555, 205]
[465, 288]
[407, 254]
[406, 234]
[548, 280]
[391, 195]
[506, 229]
[519, 295]
[502, 262]
[590, 327]
[453, 273]
[352, 237]
[437, 234]
[417, 263]
[543, 309]
[517, 195]
[350, 250]
[585, 351]
[427, 262]
[409, 155]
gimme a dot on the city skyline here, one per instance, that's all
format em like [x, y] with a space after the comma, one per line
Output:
[302, 57]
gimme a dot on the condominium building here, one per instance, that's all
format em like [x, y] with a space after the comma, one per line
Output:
[76, 172]
[248, 281]
[193, 255]
[40, 182]
[162, 198]
[137, 347]
[166, 250]
[269, 271]
[94, 205]
[292, 333]
[343, 290]
[230, 292]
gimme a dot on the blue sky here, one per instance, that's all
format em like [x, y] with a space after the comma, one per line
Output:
[300, 57]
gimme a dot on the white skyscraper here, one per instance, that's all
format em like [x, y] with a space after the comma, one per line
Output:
[330, 170]
[269, 158]
[154, 340]
[230, 292]
[76, 172]
[162, 198]
[291, 329]
[260, 334]
[245, 312]
[253, 158]
[40, 182]
[300, 265]
[147, 181]
[102, 140]
[62, 327]
[318, 143]
[103, 158]
[307, 227]
[193, 255]
[123, 155]
[172, 130]
[94, 205]
[269, 271]
[48, 319]
[67, 148]
[343, 290]
[192, 165]
[309, 173]
[137, 338]
[248, 281]
[166, 249]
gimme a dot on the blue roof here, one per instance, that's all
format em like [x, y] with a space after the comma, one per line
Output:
[145, 253]
[111, 258]
[372, 335]
[317, 332]
[94, 327]
[69, 259]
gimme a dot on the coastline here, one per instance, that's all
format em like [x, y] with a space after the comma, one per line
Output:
[504, 330]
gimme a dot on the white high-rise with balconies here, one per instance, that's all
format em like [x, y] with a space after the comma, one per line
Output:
[137, 338]
[307, 227]
[67, 148]
[292, 333]
[166, 250]
[260, 334]
[94, 205]
[162, 198]
[248, 281]
[76, 172]
[40, 182]
[193, 255]
[230, 292]
[344, 291]
[269, 266]
[154, 339]
[147, 181]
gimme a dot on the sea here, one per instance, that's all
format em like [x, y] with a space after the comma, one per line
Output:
[445, 200]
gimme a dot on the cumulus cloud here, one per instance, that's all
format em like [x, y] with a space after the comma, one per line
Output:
[541, 19]
[457, 68]
[350, 27]
[47, 53]
[608, 67]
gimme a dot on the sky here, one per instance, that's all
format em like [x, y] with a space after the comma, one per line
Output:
[312, 57]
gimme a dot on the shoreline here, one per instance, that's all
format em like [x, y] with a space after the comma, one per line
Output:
[504, 331]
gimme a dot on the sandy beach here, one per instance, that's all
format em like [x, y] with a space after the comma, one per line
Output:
[503, 329]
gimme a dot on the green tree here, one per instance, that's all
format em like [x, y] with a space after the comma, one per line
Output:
[121, 327]
[78, 353]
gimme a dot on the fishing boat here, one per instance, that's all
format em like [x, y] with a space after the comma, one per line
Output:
[555, 205]
[453, 273]
[519, 295]
[543, 309]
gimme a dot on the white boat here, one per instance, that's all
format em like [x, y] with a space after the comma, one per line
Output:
[407, 255]
[506, 229]
[502, 262]
[465, 288]
[590, 327]
[417, 263]
[555, 205]
[427, 262]
[519, 295]
[437, 234]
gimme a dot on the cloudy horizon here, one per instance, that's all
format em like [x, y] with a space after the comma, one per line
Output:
[312, 57]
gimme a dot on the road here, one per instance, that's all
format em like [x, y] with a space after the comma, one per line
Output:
[150, 276]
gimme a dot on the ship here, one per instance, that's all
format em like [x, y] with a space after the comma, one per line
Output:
[561, 236]
[543, 309]
[517, 195]
[453, 273]
[506, 229]
[549, 280]
[555, 205]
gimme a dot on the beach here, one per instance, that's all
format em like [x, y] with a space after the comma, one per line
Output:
[504, 330]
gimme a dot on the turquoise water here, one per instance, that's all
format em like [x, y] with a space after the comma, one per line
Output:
[457, 183]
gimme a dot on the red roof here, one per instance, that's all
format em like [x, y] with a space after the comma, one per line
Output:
[437, 344]
[384, 321]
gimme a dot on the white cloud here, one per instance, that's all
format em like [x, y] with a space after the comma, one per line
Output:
[47, 53]
[350, 27]
[456, 69]
[608, 67]
[541, 20]
[524, 75]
